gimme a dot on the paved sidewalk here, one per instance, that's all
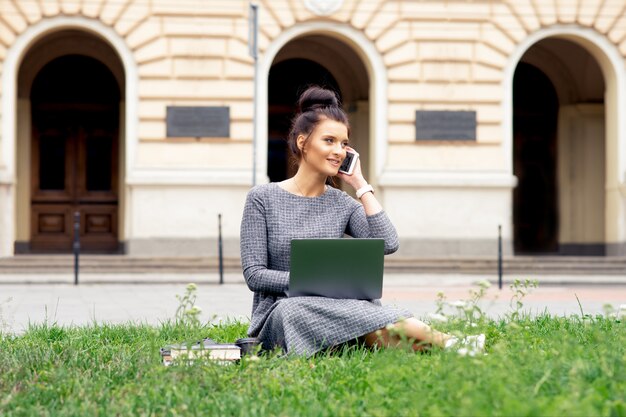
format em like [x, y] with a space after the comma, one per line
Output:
[151, 298]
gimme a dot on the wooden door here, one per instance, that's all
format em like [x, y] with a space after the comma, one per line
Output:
[74, 169]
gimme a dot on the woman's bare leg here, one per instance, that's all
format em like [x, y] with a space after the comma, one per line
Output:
[411, 329]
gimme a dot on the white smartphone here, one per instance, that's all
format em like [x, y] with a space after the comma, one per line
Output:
[348, 164]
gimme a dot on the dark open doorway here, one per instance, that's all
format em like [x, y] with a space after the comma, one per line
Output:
[535, 199]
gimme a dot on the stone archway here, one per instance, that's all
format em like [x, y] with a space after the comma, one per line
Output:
[325, 61]
[70, 99]
[571, 211]
[12, 124]
[377, 87]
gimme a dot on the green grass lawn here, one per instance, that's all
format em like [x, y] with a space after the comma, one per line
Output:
[551, 366]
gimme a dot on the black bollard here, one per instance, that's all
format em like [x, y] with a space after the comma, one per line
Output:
[76, 245]
[500, 256]
[219, 248]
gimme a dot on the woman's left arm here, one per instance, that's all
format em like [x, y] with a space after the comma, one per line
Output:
[370, 221]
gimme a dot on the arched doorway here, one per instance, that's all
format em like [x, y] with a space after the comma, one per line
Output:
[559, 151]
[70, 97]
[325, 61]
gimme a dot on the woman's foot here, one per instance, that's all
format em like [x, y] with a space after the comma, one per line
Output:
[467, 346]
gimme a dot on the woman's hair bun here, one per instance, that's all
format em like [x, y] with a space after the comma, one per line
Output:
[317, 97]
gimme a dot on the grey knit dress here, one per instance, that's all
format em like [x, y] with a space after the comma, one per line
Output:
[304, 325]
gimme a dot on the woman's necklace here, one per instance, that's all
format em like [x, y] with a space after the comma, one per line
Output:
[294, 181]
[298, 187]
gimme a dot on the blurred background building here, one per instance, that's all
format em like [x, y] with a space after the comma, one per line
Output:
[140, 115]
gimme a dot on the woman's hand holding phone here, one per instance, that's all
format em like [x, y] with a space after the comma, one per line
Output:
[355, 179]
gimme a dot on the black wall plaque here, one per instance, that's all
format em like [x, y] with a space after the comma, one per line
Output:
[197, 122]
[445, 125]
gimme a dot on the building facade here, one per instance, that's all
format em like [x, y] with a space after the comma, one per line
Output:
[151, 118]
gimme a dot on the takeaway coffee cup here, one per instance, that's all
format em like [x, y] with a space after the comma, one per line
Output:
[247, 345]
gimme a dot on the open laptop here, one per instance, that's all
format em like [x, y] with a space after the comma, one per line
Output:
[337, 268]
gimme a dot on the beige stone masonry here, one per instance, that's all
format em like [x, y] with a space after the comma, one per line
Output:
[198, 47]
[486, 55]
[232, 9]
[410, 70]
[197, 26]
[300, 13]
[508, 22]
[455, 156]
[132, 17]
[151, 129]
[365, 13]
[445, 92]
[7, 36]
[152, 51]
[446, 71]
[489, 133]
[448, 51]
[207, 154]
[588, 11]
[618, 33]
[240, 131]
[263, 42]
[30, 10]
[269, 24]
[70, 7]
[113, 10]
[391, 39]
[566, 10]
[405, 53]
[482, 72]
[344, 14]
[12, 16]
[161, 68]
[147, 31]
[401, 132]
[234, 69]
[493, 36]
[405, 112]
[622, 47]
[546, 12]
[237, 49]
[383, 21]
[281, 12]
[204, 68]
[92, 8]
[155, 130]
[441, 31]
[155, 109]
[609, 12]
[486, 133]
[184, 89]
[446, 10]
[525, 12]
[53, 8]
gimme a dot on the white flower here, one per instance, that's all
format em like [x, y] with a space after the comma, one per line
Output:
[437, 317]
[192, 287]
[484, 284]
[458, 303]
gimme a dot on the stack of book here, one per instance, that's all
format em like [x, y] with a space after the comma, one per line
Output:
[206, 349]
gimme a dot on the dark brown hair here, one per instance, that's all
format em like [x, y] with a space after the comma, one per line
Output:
[314, 105]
